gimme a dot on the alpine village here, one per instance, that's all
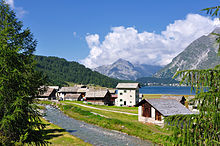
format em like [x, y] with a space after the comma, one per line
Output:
[134, 87]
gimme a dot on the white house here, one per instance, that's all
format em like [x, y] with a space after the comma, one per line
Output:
[128, 94]
[154, 110]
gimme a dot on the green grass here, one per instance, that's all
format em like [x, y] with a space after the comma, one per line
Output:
[114, 108]
[47, 102]
[121, 122]
[59, 137]
[159, 95]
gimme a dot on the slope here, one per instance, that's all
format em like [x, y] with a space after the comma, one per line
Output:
[60, 71]
[200, 54]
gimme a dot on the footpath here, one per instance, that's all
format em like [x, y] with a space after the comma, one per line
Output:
[103, 109]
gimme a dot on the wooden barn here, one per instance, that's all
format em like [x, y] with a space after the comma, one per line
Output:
[47, 94]
[154, 110]
[100, 97]
[73, 97]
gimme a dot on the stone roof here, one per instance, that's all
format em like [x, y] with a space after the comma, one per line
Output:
[169, 107]
[47, 92]
[178, 98]
[96, 94]
[82, 90]
[68, 89]
[127, 85]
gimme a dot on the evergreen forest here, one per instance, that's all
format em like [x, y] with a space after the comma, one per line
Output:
[60, 71]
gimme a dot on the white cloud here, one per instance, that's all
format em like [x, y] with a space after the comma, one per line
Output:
[145, 47]
[11, 3]
[20, 12]
[74, 34]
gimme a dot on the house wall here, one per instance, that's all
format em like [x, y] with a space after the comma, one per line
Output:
[97, 102]
[153, 112]
[61, 95]
[130, 96]
[151, 119]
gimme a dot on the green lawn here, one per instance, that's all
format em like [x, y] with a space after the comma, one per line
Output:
[59, 137]
[121, 122]
[159, 95]
[114, 108]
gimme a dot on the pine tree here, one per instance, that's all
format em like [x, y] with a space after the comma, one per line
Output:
[19, 83]
[202, 128]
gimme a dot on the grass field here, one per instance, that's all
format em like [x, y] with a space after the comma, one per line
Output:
[59, 137]
[121, 122]
[159, 95]
[114, 108]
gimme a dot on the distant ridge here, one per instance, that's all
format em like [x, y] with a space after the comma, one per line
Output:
[60, 71]
[125, 70]
[200, 54]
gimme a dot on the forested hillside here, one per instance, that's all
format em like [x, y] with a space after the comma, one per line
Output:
[60, 71]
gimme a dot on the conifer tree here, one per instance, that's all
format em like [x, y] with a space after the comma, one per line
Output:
[202, 128]
[19, 83]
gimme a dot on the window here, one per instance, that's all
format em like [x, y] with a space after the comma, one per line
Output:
[130, 95]
[121, 93]
[120, 99]
[130, 101]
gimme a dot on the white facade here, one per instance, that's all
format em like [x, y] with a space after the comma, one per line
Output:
[151, 119]
[127, 97]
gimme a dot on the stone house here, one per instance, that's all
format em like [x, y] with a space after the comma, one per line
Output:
[128, 94]
[154, 110]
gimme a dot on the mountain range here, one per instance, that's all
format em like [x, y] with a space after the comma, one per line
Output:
[125, 70]
[200, 54]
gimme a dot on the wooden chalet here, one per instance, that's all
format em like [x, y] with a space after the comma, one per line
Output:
[100, 97]
[73, 97]
[47, 93]
[154, 110]
[70, 93]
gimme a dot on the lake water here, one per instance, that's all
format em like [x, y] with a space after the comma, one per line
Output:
[166, 90]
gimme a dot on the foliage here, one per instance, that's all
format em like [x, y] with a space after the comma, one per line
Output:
[19, 82]
[60, 71]
[202, 128]
[214, 11]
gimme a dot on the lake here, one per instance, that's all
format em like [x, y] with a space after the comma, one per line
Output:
[166, 90]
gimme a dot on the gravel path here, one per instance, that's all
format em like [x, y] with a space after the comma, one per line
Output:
[90, 133]
[103, 109]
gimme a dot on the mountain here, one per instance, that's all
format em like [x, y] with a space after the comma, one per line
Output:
[146, 80]
[124, 70]
[60, 71]
[200, 54]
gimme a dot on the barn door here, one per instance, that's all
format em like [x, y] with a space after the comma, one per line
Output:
[146, 108]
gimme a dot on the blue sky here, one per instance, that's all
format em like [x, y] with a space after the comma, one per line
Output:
[82, 30]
